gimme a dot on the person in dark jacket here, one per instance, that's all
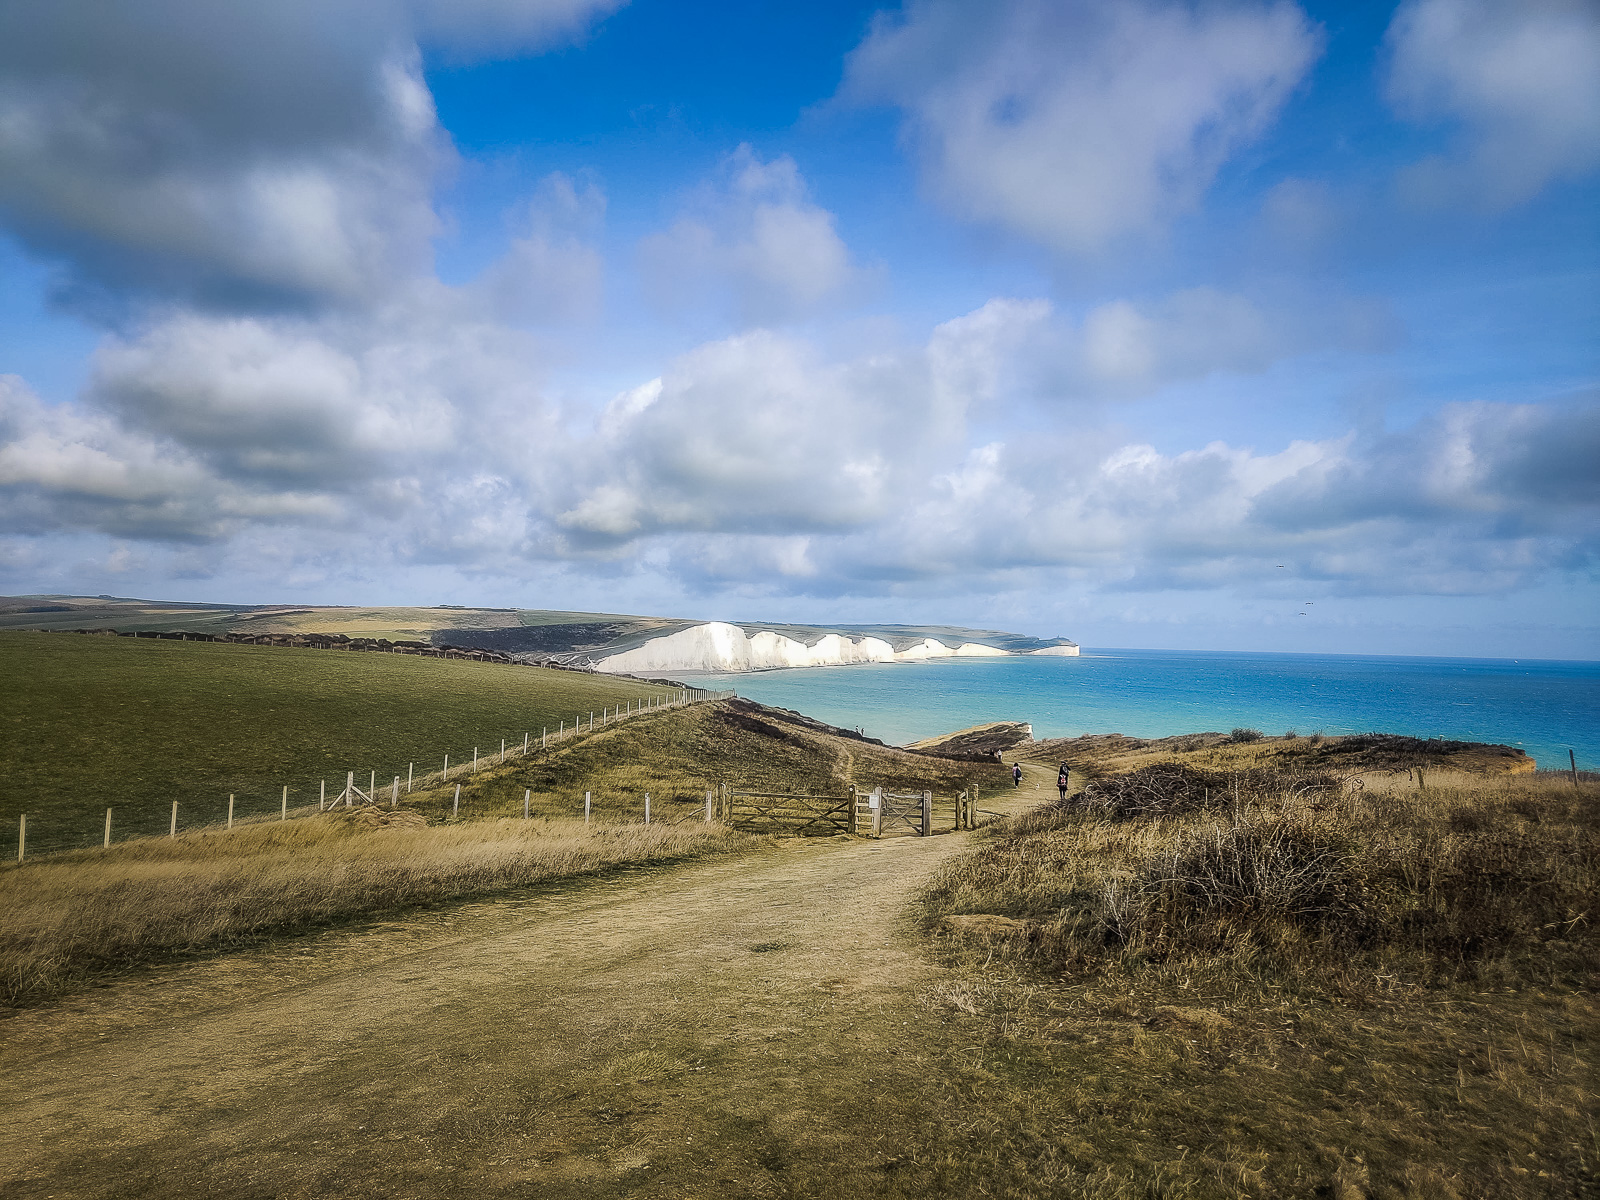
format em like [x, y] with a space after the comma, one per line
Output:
[1063, 781]
[1016, 774]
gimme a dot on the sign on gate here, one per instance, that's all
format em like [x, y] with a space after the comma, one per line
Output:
[887, 814]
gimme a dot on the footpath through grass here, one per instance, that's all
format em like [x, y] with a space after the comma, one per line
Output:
[88, 723]
[75, 916]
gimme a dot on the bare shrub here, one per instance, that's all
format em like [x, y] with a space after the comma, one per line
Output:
[1174, 789]
[1241, 735]
[1255, 871]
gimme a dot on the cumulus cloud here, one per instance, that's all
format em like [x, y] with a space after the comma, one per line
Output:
[754, 244]
[234, 154]
[63, 470]
[419, 438]
[1195, 332]
[1453, 506]
[552, 272]
[1521, 81]
[1077, 123]
[472, 29]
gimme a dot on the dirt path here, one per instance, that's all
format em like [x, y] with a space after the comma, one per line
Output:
[749, 1027]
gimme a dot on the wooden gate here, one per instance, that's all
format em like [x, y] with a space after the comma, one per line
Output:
[784, 812]
[892, 814]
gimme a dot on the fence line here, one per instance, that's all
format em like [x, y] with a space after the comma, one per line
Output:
[581, 725]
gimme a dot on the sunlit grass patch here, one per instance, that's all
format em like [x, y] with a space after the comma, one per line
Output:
[1385, 990]
[76, 915]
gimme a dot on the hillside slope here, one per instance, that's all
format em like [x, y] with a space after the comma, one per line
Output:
[135, 724]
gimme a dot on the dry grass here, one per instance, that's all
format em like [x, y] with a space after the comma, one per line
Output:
[1374, 991]
[69, 916]
[677, 755]
[73, 916]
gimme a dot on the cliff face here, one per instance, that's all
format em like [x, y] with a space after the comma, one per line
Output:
[718, 646]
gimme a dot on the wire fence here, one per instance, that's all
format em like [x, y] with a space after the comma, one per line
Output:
[41, 833]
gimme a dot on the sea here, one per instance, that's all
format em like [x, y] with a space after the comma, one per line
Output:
[1544, 707]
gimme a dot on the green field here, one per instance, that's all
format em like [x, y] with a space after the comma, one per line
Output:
[88, 723]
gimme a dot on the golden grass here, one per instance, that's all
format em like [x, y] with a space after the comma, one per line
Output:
[69, 916]
[1385, 993]
[676, 755]
[73, 916]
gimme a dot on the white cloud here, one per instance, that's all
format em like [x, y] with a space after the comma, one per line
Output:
[235, 153]
[419, 438]
[502, 28]
[1521, 78]
[1077, 123]
[552, 273]
[755, 244]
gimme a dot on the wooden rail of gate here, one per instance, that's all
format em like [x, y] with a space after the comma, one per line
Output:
[789, 812]
[871, 814]
[879, 813]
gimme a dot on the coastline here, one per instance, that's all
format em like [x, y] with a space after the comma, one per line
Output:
[1542, 706]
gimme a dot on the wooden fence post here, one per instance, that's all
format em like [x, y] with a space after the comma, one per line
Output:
[285, 809]
[372, 788]
[107, 842]
[875, 803]
[927, 814]
[524, 745]
[173, 832]
[544, 732]
[455, 809]
[502, 749]
[527, 795]
[349, 789]
[22, 836]
[411, 769]
[708, 806]
[474, 760]
[230, 810]
[322, 796]
[647, 808]
[394, 793]
[586, 808]
[447, 768]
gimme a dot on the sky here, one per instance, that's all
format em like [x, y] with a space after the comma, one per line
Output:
[1245, 324]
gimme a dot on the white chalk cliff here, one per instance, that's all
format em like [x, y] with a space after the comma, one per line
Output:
[718, 646]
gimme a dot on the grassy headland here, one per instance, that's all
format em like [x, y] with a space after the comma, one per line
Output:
[88, 723]
[72, 916]
[1210, 975]
[676, 755]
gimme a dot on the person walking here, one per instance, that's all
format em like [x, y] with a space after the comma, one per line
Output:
[1016, 774]
[1063, 781]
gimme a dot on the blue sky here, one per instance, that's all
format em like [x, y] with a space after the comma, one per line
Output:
[1214, 325]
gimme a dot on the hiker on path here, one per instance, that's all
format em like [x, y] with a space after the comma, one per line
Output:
[1063, 780]
[1016, 774]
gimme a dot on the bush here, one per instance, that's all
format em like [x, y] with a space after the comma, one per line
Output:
[1245, 735]
[1254, 872]
[1174, 789]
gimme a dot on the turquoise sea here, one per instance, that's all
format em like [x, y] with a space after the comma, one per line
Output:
[1542, 706]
